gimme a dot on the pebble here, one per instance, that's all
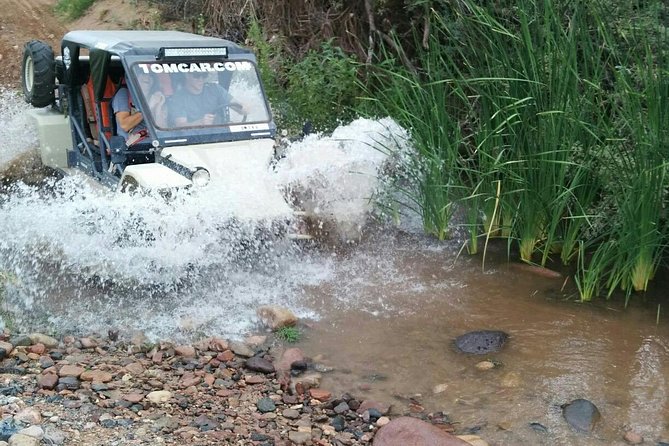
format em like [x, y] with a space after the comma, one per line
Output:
[632, 437]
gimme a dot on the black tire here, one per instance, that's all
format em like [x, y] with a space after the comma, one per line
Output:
[38, 74]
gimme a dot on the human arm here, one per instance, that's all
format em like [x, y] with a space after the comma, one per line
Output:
[125, 118]
[128, 120]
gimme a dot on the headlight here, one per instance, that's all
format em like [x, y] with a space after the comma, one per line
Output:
[200, 177]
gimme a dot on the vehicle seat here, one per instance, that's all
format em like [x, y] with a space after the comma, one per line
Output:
[107, 119]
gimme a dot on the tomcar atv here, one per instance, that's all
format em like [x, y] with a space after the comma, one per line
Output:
[79, 130]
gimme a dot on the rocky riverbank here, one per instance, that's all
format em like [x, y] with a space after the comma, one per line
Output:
[108, 390]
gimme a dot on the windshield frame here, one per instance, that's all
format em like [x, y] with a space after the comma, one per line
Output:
[220, 72]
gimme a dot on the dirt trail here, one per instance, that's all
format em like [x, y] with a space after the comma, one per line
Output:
[24, 20]
[21, 21]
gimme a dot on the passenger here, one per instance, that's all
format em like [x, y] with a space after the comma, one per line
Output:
[201, 103]
[130, 121]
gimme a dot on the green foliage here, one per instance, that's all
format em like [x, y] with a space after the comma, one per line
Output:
[322, 88]
[73, 9]
[288, 334]
[548, 129]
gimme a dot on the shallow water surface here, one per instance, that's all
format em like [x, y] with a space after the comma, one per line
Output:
[383, 311]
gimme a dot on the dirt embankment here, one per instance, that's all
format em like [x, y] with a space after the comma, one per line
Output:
[24, 20]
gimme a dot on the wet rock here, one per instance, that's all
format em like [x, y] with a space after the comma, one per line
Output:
[481, 342]
[88, 343]
[23, 440]
[407, 431]
[38, 349]
[538, 427]
[241, 349]
[274, 317]
[632, 437]
[366, 405]
[485, 365]
[39, 338]
[581, 415]
[320, 394]
[288, 357]
[187, 351]
[258, 364]
[265, 405]
[511, 380]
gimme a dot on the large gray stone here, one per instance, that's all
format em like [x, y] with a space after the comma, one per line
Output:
[581, 415]
[407, 431]
[481, 342]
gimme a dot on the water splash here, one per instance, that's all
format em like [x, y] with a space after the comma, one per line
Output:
[86, 258]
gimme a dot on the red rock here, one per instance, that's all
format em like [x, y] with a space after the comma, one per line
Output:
[288, 358]
[88, 343]
[97, 376]
[71, 370]
[38, 349]
[188, 380]
[320, 394]
[157, 357]
[135, 368]
[408, 431]
[134, 397]
[254, 379]
[209, 379]
[48, 381]
[225, 393]
[226, 356]
[187, 351]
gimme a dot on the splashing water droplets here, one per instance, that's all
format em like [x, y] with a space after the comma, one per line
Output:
[87, 258]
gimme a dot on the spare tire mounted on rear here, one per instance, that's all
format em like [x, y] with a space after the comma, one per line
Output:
[38, 74]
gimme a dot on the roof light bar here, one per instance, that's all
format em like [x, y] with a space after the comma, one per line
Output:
[193, 52]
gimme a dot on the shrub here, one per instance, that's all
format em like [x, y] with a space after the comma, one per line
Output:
[73, 9]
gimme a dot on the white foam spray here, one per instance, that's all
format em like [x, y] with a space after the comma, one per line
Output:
[84, 259]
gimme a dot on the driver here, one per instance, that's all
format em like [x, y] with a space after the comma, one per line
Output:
[199, 103]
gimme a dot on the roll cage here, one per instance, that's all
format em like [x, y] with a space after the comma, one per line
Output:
[93, 66]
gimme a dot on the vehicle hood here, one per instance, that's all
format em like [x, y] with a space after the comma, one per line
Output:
[240, 175]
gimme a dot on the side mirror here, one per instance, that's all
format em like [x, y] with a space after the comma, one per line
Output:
[118, 149]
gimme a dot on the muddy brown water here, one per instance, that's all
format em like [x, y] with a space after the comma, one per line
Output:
[395, 344]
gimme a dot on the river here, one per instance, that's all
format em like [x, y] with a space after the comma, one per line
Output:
[381, 302]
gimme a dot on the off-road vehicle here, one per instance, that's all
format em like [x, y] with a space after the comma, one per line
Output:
[77, 127]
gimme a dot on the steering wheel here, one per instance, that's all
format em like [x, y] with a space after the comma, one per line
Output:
[239, 108]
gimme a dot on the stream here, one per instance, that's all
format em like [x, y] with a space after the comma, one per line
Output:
[382, 303]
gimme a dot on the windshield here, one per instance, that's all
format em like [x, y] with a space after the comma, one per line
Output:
[201, 94]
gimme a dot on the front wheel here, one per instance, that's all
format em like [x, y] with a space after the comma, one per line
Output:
[38, 74]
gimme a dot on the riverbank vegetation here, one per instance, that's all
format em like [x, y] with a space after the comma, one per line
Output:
[543, 121]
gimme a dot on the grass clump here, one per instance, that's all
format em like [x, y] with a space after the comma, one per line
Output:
[73, 9]
[288, 334]
[546, 130]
